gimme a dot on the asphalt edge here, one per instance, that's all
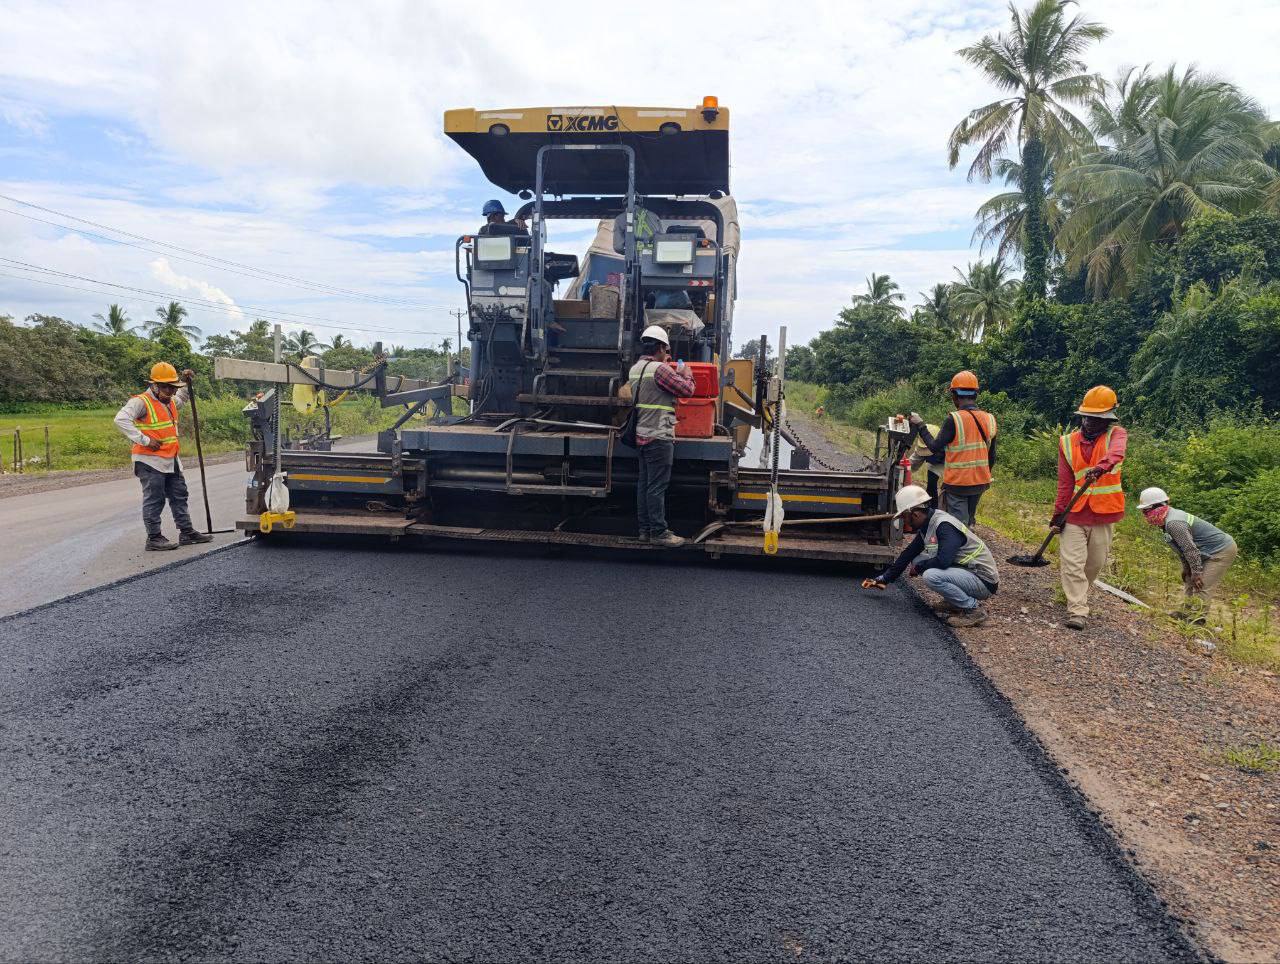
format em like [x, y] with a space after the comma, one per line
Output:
[94, 590]
[1091, 821]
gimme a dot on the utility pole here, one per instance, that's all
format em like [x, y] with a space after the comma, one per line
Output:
[458, 313]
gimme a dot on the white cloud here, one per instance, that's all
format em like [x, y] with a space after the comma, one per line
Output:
[163, 272]
[259, 115]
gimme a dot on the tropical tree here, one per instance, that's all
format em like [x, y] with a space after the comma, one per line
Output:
[1174, 147]
[882, 294]
[1002, 220]
[935, 308]
[983, 299]
[116, 321]
[1039, 64]
[340, 342]
[303, 343]
[169, 318]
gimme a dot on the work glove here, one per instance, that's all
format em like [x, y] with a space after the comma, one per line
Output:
[875, 583]
[188, 375]
[915, 419]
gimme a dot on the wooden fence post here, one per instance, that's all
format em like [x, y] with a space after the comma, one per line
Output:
[48, 461]
[17, 450]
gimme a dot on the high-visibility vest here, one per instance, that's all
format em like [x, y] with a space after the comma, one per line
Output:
[160, 423]
[968, 455]
[655, 406]
[1106, 495]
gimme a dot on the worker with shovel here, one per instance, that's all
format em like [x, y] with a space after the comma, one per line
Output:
[1090, 498]
[150, 421]
[956, 564]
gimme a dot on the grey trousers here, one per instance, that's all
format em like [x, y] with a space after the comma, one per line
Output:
[157, 489]
[655, 458]
[963, 507]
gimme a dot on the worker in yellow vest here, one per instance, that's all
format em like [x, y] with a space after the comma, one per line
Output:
[150, 422]
[1093, 453]
[967, 444]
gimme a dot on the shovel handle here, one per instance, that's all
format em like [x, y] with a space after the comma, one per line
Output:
[1063, 516]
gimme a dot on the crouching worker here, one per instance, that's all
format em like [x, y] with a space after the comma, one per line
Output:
[1206, 551]
[951, 560]
[150, 422]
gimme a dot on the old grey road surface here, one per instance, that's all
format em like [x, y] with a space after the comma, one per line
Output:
[294, 754]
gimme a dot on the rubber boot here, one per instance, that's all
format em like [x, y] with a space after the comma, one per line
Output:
[159, 544]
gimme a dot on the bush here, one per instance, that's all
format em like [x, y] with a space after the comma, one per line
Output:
[1252, 517]
[1032, 456]
[870, 411]
[1216, 462]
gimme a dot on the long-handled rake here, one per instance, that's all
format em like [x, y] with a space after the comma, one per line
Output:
[1037, 560]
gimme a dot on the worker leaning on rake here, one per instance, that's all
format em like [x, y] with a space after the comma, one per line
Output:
[150, 422]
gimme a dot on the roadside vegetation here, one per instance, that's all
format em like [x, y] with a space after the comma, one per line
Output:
[73, 378]
[1144, 213]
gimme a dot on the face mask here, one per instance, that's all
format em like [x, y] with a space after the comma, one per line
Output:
[1157, 516]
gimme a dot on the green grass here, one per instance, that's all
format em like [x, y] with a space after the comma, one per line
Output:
[1260, 758]
[86, 438]
[1243, 621]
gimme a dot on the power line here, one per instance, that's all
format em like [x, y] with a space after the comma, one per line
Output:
[211, 306]
[205, 260]
[319, 320]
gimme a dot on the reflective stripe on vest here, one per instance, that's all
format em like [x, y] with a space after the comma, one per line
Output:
[655, 406]
[968, 456]
[1106, 495]
[161, 424]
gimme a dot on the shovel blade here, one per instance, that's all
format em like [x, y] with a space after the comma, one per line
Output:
[1028, 562]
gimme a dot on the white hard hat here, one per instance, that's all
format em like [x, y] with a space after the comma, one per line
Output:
[657, 333]
[1152, 497]
[910, 497]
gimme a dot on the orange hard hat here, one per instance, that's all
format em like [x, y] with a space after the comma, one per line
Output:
[965, 381]
[165, 374]
[1099, 401]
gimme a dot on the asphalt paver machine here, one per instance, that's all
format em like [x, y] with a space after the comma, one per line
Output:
[537, 456]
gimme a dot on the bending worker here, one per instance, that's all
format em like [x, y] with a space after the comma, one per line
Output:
[967, 442]
[655, 386]
[1092, 454]
[956, 564]
[1206, 551]
[150, 421]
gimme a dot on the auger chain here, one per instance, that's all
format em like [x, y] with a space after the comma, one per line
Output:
[808, 451]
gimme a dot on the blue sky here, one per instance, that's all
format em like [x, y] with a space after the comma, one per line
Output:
[304, 139]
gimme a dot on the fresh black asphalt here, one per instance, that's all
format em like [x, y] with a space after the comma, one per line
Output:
[300, 754]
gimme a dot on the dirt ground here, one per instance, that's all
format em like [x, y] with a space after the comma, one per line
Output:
[1139, 718]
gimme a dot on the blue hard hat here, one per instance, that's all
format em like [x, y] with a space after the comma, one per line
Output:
[493, 207]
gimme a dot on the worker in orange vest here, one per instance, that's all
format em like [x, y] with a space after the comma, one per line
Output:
[967, 445]
[1093, 453]
[150, 422]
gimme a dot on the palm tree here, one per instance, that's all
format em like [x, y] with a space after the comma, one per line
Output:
[116, 321]
[983, 299]
[935, 310]
[169, 318]
[1174, 147]
[1002, 220]
[303, 343]
[1038, 63]
[340, 341]
[882, 293]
